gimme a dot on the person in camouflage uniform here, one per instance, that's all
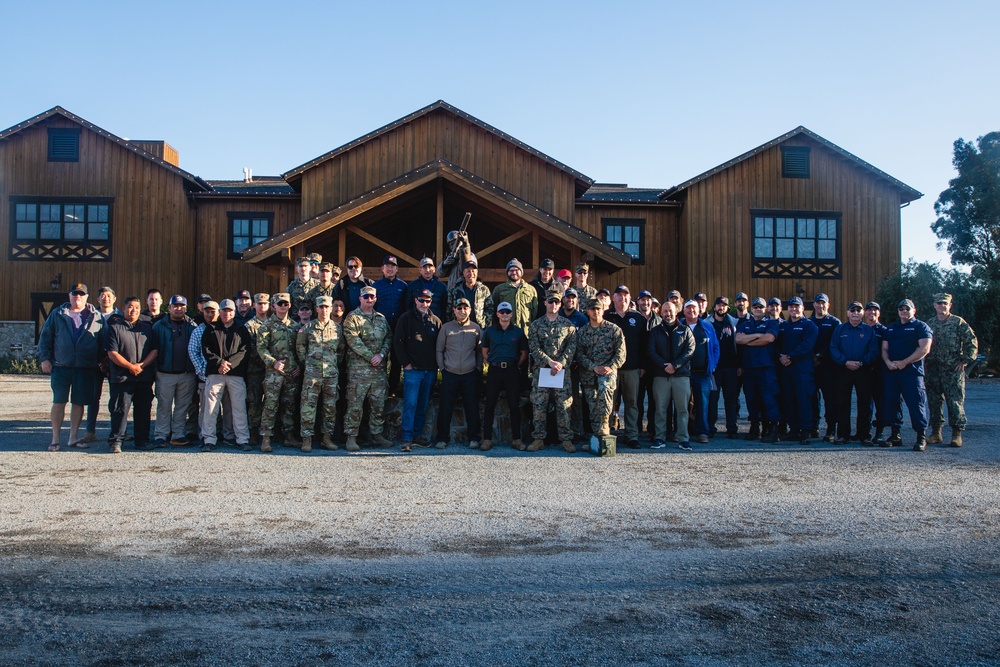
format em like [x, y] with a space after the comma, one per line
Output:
[551, 344]
[320, 347]
[298, 289]
[584, 291]
[368, 338]
[476, 292]
[600, 352]
[255, 367]
[955, 347]
[276, 348]
[519, 294]
[325, 286]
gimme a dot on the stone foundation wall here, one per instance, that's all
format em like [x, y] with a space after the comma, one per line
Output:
[17, 340]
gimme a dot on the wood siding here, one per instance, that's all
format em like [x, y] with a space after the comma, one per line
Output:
[716, 231]
[151, 218]
[443, 135]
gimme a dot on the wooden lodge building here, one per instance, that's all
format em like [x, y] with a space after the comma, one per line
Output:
[797, 214]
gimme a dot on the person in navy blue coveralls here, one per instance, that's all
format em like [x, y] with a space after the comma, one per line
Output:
[904, 347]
[796, 340]
[390, 293]
[760, 383]
[854, 348]
[826, 383]
[872, 313]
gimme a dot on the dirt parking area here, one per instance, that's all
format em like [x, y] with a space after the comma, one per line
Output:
[735, 553]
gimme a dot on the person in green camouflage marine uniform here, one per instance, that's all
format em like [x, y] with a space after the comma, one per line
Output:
[600, 352]
[955, 347]
[551, 344]
[255, 367]
[276, 347]
[320, 346]
[324, 286]
[585, 292]
[298, 289]
[368, 337]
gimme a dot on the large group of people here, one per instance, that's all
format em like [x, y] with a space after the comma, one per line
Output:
[313, 365]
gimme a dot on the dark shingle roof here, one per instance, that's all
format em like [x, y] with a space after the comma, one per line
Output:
[608, 193]
[260, 185]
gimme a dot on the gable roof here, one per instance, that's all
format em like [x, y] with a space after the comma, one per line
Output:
[418, 177]
[908, 194]
[195, 181]
[617, 193]
[583, 182]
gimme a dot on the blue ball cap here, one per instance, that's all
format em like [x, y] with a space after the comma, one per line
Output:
[795, 301]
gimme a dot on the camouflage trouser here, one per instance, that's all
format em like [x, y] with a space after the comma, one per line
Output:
[312, 389]
[945, 385]
[599, 392]
[561, 401]
[280, 393]
[255, 398]
[361, 384]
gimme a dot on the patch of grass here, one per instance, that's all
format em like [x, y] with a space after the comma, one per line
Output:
[26, 366]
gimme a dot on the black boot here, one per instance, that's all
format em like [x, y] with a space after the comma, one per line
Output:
[895, 439]
[921, 444]
[754, 433]
[879, 438]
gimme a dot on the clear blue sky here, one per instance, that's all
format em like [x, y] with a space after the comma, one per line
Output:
[647, 93]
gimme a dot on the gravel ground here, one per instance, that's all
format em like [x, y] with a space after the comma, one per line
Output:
[735, 553]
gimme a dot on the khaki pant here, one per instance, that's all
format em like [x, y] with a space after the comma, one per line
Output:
[666, 389]
[216, 388]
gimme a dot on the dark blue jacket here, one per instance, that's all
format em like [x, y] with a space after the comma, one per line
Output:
[58, 344]
[826, 326]
[670, 344]
[850, 343]
[904, 339]
[439, 298]
[760, 356]
[391, 300]
[165, 343]
[797, 340]
[730, 354]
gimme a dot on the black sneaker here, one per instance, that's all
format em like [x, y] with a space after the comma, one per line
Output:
[632, 444]
[895, 440]
[685, 445]
[732, 435]
[658, 444]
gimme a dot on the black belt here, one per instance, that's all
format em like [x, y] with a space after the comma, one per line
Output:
[503, 364]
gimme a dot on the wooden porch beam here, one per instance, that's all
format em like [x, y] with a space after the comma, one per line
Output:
[440, 221]
[342, 248]
[499, 244]
[535, 243]
[382, 244]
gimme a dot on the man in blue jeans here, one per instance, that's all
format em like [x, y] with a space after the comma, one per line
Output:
[414, 342]
[703, 363]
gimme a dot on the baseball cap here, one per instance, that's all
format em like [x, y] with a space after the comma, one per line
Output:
[942, 297]
[690, 302]
[700, 296]
[742, 295]
[470, 264]
[759, 302]
[873, 304]
[722, 299]
[603, 291]
[822, 297]
[645, 293]
[855, 304]
[261, 297]
[227, 304]
[326, 266]
[571, 292]
[594, 303]
[368, 290]
[553, 297]
[302, 260]
[211, 305]
[673, 293]
[547, 264]
[462, 302]
[774, 301]
[425, 293]
[905, 302]
[80, 287]
[425, 261]
[202, 298]
[390, 259]
[795, 301]
[324, 301]
[504, 306]
[178, 300]
[282, 296]
[565, 273]
[622, 288]
[242, 294]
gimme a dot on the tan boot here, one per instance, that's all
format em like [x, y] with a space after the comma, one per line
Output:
[307, 444]
[327, 443]
[379, 440]
[292, 441]
[265, 443]
[518, 445]
[935, 438]
[352, 444]
[486, 445]
[569, 446]
[956, 438]
[605, 429]
[536, 445]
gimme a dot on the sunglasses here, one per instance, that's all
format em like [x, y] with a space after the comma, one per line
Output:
[757, 307]
[353, 266]
[78, 293]
[424, 300]
[367, 296]
[461, 307]
[854, 310]
[583, 273]
[505, 312]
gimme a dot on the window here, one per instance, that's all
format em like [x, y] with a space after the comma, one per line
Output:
[64, 144]
[796, 244]
[795, 162]
[247, 229]
[61, 228]
[629, 236]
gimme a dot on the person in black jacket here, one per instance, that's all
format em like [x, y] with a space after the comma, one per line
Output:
[669, 349]
[415, 343]
[132, 351]
[225, 350]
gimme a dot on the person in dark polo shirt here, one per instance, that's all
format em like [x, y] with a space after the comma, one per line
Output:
[132, 349]
[505, 348]
[904, 346]
[415, 344]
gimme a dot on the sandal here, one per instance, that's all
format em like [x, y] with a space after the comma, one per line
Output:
[54, 447]
[79, 444]
[406, 448]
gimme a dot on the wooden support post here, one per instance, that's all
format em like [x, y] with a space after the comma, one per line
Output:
[439, 248]
[283, 280]
[535, 259]
[342, 249]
